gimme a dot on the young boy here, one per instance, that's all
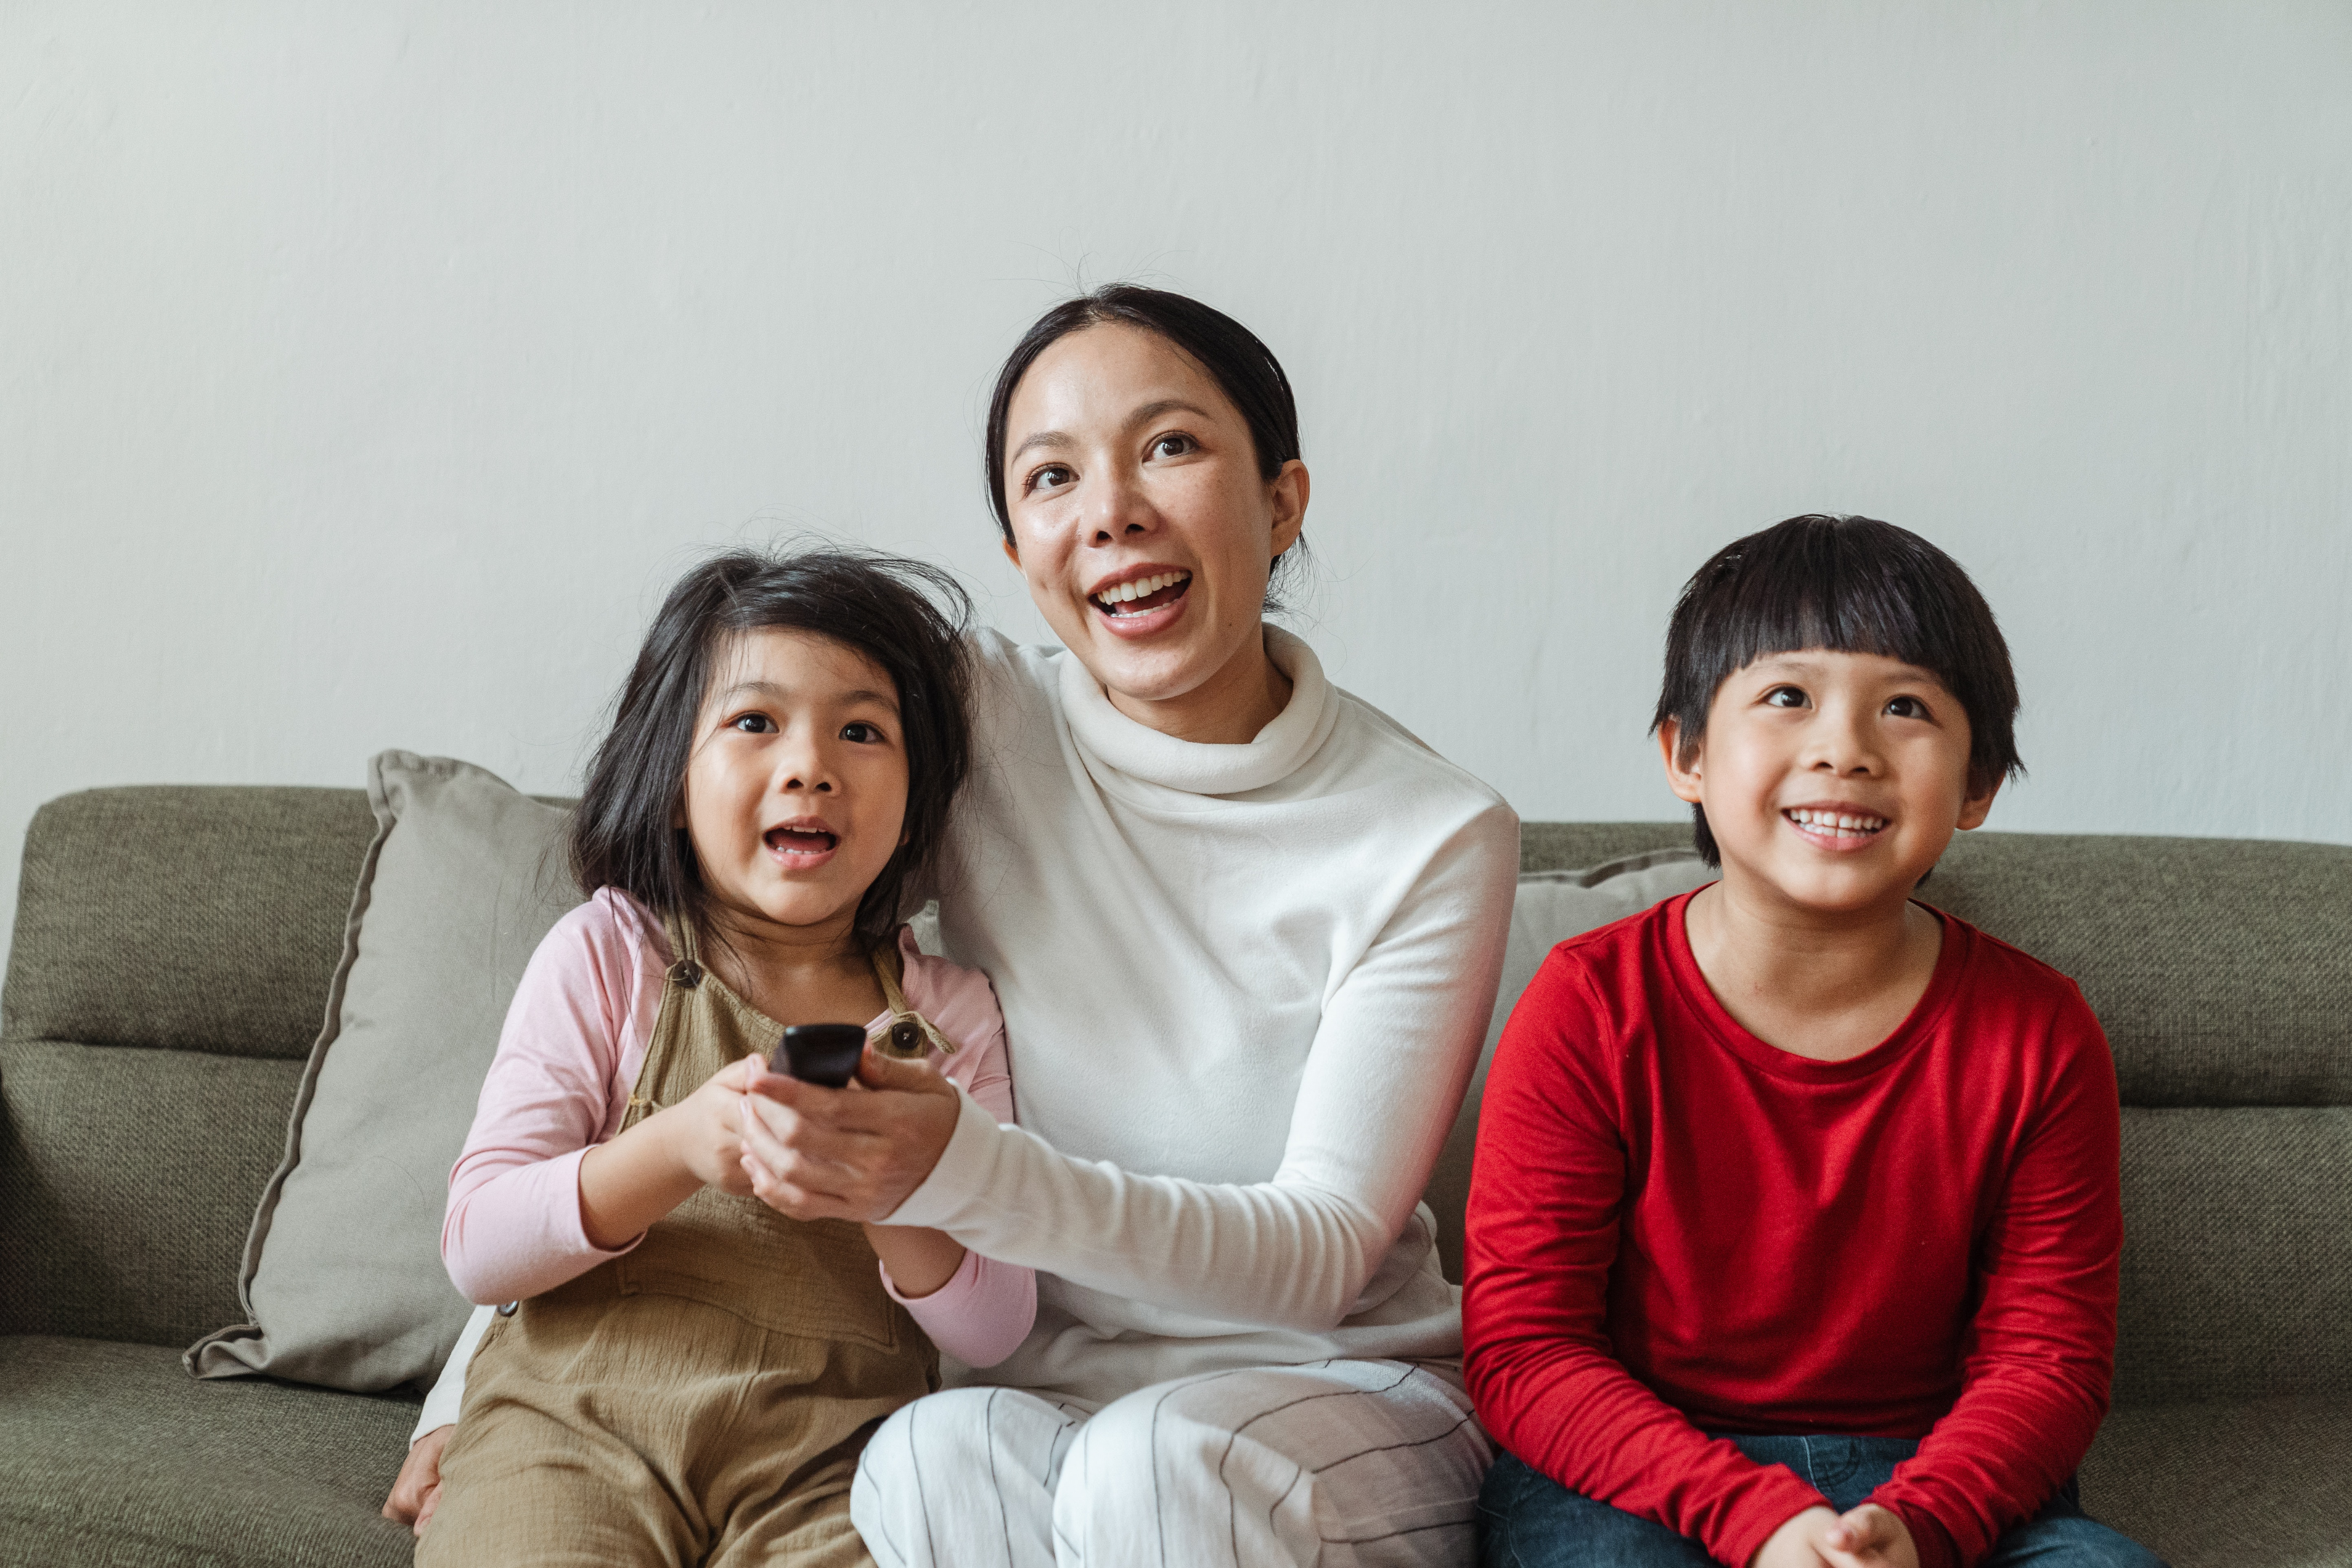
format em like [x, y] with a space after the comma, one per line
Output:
[1794, 1229]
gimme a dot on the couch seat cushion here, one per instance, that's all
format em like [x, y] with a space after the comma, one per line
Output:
[2256, 1481]
[112, 1455]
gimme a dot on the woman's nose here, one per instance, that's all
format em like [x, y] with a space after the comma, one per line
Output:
[1120, 510]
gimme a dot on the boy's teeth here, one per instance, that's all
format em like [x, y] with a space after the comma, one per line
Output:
[1837, 821]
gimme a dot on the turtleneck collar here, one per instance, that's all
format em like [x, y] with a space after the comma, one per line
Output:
[1110, 737]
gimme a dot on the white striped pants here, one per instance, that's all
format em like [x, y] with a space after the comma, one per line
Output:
[1335, 1463]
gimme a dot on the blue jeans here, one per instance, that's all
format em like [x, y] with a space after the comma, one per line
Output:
[1526, 1520]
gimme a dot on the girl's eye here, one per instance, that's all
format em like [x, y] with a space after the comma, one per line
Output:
[1053, 476]
[1175, 445]
[861, 731]
[752, 723]
[1784, 697]
[1908, 708]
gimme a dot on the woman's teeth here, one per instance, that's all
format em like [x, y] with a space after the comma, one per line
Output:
[1140, 588]
[1836, 824]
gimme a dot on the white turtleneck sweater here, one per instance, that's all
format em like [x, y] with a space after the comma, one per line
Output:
[1243, 988]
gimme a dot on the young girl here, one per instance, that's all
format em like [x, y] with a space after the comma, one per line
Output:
[680, 1374]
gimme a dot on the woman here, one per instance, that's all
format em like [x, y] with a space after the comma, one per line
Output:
[1245, 932]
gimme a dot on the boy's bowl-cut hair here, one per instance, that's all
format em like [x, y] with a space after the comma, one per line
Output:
[1853, 584]
[907, 618]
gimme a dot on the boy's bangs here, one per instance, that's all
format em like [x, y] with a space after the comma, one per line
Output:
[1825, 598]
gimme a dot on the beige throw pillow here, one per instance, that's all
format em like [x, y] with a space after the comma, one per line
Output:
[1550, 908]
[343, 1282]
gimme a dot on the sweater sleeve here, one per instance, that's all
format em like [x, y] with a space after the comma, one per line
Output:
[513, 1226]
[987, 1307]
[2041, 1349]
[1399, 1036]
[1542, 1233]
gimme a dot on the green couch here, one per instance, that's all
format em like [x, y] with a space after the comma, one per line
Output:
[171, 960]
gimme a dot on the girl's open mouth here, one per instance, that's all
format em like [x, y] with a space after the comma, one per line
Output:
[1125, 601]
[800, 840]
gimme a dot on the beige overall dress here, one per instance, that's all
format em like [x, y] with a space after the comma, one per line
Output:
[700, 1399]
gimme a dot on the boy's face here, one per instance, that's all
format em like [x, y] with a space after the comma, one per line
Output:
[1832, 781]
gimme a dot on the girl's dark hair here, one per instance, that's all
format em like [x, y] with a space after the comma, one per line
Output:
[1855, 584]
[1244, 368]
[906, 617]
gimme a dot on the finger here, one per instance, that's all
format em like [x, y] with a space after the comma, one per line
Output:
[1864, 1528]
[904, 1074]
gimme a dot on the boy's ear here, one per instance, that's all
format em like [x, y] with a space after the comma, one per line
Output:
[1976, 807]
[1682, 774]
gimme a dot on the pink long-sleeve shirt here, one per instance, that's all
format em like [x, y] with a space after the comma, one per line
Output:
[575, 1038]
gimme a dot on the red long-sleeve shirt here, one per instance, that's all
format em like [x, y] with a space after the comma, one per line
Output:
[1676, 1228]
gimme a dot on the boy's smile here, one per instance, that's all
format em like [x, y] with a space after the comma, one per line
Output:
[1832, 781]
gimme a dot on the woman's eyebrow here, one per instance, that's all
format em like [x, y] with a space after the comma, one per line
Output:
[1151, 411]
[1042, 439]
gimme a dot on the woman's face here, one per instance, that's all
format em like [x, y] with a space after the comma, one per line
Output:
[1142, 525]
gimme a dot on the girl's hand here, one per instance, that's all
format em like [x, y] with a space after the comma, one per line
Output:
[1870, 1537]
[855, 1153]
[703, 1131]
[650, 1170]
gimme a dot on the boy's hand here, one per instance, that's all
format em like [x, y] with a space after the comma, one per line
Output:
[1798, 1543]
[1870, 1537]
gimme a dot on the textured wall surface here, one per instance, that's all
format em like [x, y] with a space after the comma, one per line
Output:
[366, 372]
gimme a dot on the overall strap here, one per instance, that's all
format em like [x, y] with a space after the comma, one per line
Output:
[684, 976]
[908, 1031]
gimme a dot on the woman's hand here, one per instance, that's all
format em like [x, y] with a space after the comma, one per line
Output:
[853, 1154]
[417, 1491]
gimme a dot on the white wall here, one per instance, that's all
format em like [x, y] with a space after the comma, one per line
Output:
[367, 371]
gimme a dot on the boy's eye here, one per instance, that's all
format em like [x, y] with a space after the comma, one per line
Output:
[1053, 476]
[1174, 445]
[752, 723]
[1785, 697]
[1908, 708]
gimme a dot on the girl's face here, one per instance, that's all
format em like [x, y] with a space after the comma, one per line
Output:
[796, 791]
[1140, 521]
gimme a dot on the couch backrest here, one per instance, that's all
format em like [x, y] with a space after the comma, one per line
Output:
[168, 975]
[174, 947]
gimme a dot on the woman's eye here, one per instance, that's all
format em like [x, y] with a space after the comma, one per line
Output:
[752, 723]
[1908, 708]
[1784, 697]
[861, 731]
[1053, 476]
[1175, 445]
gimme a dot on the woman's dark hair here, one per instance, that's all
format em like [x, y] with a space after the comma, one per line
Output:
[906, 617]
[1244, 368]
[1855, 584]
